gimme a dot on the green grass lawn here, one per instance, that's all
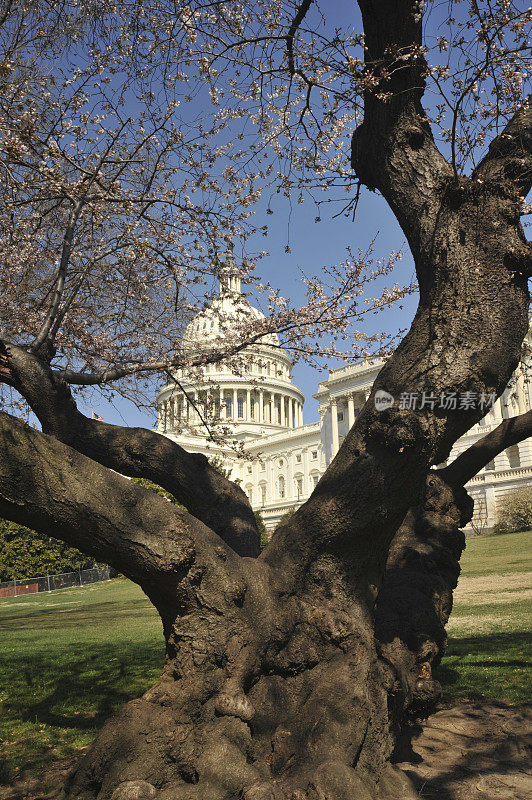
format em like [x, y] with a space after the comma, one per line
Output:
[70, 658]
[489, 651]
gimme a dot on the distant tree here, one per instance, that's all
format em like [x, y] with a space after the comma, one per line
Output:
[25, 554]
[154, 487]
[261, 527]
[286, 517]
[514, 511]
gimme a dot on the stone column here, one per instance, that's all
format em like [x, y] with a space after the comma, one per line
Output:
[350, 411]
[247, 410]
[491, 506]
[497, 410]
[505, 404]
[283, 411]
[334, 423]
[261, 406]
[521, 402]
[272, 408]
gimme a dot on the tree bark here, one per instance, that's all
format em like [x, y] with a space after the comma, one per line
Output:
[416, 597]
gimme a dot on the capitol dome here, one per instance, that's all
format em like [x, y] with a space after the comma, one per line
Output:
[228, 317]
[249, 394]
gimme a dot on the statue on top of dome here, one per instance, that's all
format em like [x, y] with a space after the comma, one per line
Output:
[229, 273]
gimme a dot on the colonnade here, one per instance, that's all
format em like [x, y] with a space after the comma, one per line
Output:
[232, 404]
[513, 401]
[353, 402]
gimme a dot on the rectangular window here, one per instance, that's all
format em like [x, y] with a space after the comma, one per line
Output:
[298, 458]
[314, 454]
[315, 479]
[240, 402]
[340, 416]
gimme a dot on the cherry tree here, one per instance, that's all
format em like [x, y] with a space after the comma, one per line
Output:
[287, 672]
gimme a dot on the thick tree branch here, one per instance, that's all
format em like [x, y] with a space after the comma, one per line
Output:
[467, 464]
[393, 150]
[217, 502]
[508, 162]
[53, 489]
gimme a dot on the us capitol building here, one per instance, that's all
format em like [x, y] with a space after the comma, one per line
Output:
[280, 459]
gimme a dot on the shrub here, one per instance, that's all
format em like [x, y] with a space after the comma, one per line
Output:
[514, 512]
[25, 554]
[286, 516]
[262, 529]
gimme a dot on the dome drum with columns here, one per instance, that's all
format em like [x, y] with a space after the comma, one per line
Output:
[251, 393]
[253, 398]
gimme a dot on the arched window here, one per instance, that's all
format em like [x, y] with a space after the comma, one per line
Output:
[249, 492]
[262, 489]
[252, 407]
[298, 480]
[281, 486]
[240, 402]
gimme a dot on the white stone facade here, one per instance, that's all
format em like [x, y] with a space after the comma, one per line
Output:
[281, 460]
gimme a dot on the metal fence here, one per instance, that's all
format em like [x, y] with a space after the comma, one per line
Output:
[47, 583]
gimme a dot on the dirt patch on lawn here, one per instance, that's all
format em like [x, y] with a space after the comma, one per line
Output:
[470, 751]
[494, 588]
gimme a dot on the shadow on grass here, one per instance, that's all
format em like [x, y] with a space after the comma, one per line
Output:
[98, 680]
[490, 666]
[54, 703]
